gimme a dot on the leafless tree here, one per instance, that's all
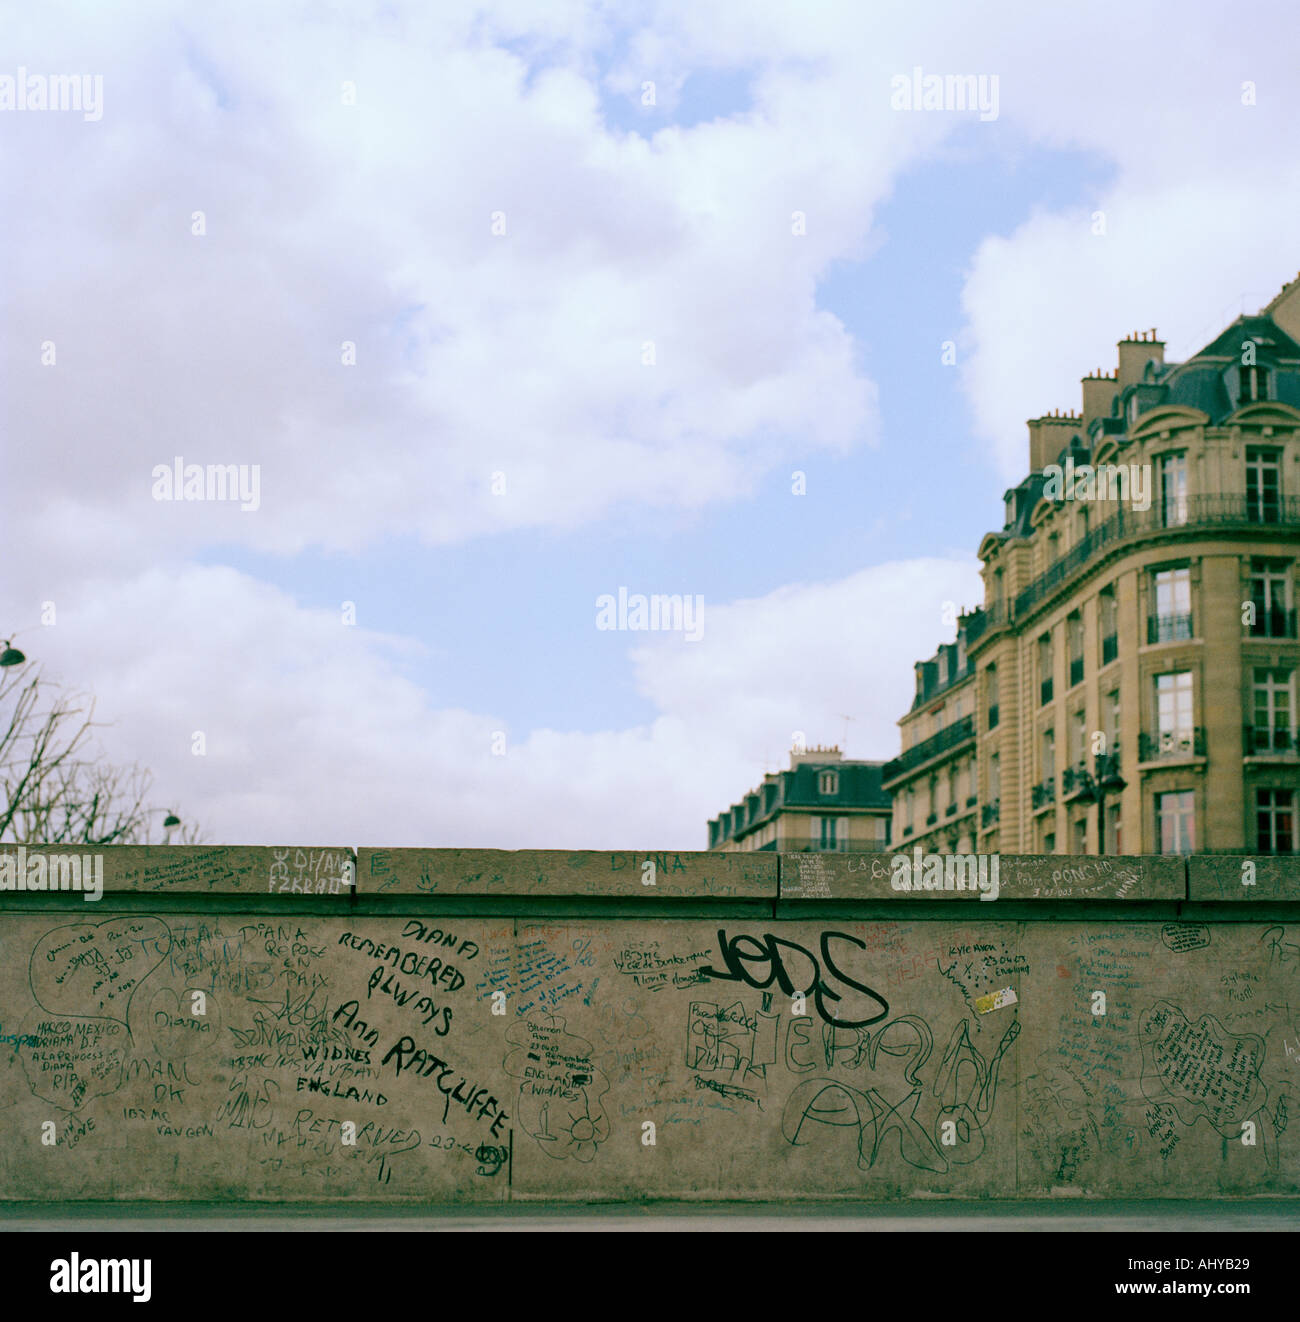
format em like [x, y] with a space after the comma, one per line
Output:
[56, 786]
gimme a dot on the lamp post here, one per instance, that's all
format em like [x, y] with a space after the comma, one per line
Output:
[1107, 780]
[11, 656]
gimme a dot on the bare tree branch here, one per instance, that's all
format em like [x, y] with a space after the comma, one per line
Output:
[56, 787]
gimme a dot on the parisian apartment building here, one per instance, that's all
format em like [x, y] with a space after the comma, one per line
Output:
[822, 802]
[1129, 683]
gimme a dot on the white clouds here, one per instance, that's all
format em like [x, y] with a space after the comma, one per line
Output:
[1047, 305]
[313, 734]
[1196, 214]
[800, 657]
[519, 351]
[522, 352]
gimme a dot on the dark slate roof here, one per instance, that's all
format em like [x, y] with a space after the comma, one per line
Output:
[1203, 382]
[1027, 494]
[1272, 339]
[1200, 387]
[859, 787]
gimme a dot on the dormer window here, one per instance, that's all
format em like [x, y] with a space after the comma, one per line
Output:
[1254, 383]
[828, 782]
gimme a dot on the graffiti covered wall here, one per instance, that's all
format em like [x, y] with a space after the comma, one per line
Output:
[789, 1040]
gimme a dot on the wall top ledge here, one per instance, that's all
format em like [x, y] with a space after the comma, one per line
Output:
[177, 869]
[665, 874]
[310, 871]
[1005, 876]
[1234, 878]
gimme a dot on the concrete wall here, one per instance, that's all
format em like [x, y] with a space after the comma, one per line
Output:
[787, 1028]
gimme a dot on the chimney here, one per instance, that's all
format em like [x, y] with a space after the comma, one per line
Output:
[1285, 309]
[1049, 435]
[1099, 390]
[1134, 354]
[816, 753]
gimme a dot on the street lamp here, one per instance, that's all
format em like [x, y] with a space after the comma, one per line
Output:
[1095, 789]
[11, 656]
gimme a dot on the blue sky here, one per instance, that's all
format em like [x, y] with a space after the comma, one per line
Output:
[532, 594]
[369, 218]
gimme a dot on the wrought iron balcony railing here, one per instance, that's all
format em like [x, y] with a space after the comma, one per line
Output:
[958, 732]
[1044, 792]
[1202, 512]
[1270, 741]
[1171, 745]
[805, 844]
[991, 617]
[1273, 622]
[1169, 628]
[989, 813]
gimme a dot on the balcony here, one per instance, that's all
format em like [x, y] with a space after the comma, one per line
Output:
[1045, 692]
[1076, 671]
[989, 813]
[1203, 512]
[991, 617]
[1171, 745]
[1273, 622]
[1270, 741]
[957, 733]
[1074, 780]
[1109, 648]
[1169, 628]
[1044, 793]
[805, 844]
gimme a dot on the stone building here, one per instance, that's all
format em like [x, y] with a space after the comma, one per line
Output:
[823, 802]
[934, 782]
[1129, 684]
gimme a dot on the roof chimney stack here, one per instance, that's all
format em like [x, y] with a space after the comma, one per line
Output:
[1135, 353]
[1049, 435]
[1099, 391]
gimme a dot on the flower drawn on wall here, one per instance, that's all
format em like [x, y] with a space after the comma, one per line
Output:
[559, 1089]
